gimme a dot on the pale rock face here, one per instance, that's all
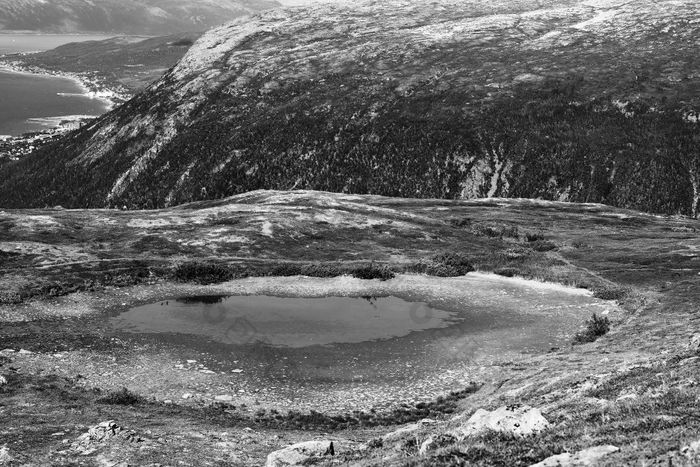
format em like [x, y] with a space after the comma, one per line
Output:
[301, 453]
[408, 430]
[517, 420]
[590, 456]
[5, 457]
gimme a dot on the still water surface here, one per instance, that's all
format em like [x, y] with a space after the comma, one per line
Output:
[35, 102]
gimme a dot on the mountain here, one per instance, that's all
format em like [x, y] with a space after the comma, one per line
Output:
[150, 17]
[568, 100]
[121, 62]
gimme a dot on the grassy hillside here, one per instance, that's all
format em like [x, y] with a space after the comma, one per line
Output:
[562, 100]
[634, 388]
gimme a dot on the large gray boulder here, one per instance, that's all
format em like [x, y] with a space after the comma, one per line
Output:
[590, 456]
[519, 420]
[301, 453]
[5, 457]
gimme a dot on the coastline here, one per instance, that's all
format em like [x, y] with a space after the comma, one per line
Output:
[90, 87]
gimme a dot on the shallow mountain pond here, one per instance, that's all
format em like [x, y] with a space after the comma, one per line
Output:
[335, 342]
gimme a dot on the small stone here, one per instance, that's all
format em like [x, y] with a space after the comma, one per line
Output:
[301, 454]
[224, 398]
[187, 396]
[627, 397]
[167, 401]
[694, 344]
[237, 370]
[25, 352]
[191, 362]
[5, 457]
[435, 442]
[3, 381]
[519, 420]
[590, 456]
[6, 351]
[692, 451]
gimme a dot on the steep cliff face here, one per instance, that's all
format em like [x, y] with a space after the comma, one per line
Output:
[152, 17]
[570, 100]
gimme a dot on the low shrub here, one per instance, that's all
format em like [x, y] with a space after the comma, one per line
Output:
[202, 273]
[450, 264]
[496, 230]
[372, 271]
[596, 326]
[506, 272]
[534, 237]
[121, 397]
[610, 293]
[542, 245]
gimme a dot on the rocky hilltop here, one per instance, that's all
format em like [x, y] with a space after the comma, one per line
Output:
[152, 17]
[566, 100]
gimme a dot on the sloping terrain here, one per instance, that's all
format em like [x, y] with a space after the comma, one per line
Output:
[635, 388]
[128, 63]
[150, 17]
[564, 100]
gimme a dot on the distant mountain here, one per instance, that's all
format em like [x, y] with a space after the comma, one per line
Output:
[148, 17]
[567, 100]
[119, 62]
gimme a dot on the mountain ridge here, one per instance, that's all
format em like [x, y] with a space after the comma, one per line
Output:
[575, 101]
[151, 17]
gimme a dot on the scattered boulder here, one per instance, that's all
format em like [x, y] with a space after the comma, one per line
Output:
[407, 430]
[5, 457]
[692, 451]
[590, 456]
[435, 442]
[25, 352]
[301, 453]
[224, 398]
[519, 420]
[85, 444]
[694, 344]
[3, 381]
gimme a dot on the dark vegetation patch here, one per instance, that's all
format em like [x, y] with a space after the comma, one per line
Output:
[532, 237]
[596, 327]
[400, 415]
[121, 397]
[201, 272]
[494, 230]
[611, 292]
[542, 245]
[446, 264]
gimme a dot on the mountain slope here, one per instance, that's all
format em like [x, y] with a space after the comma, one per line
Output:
[569, 100]
[152, 17]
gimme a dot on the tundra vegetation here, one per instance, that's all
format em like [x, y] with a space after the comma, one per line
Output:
[632, 388]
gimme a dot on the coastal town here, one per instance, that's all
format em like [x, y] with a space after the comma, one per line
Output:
[12, 148]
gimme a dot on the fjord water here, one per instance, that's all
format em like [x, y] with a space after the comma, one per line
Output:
[31, 102]
[27, 102]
